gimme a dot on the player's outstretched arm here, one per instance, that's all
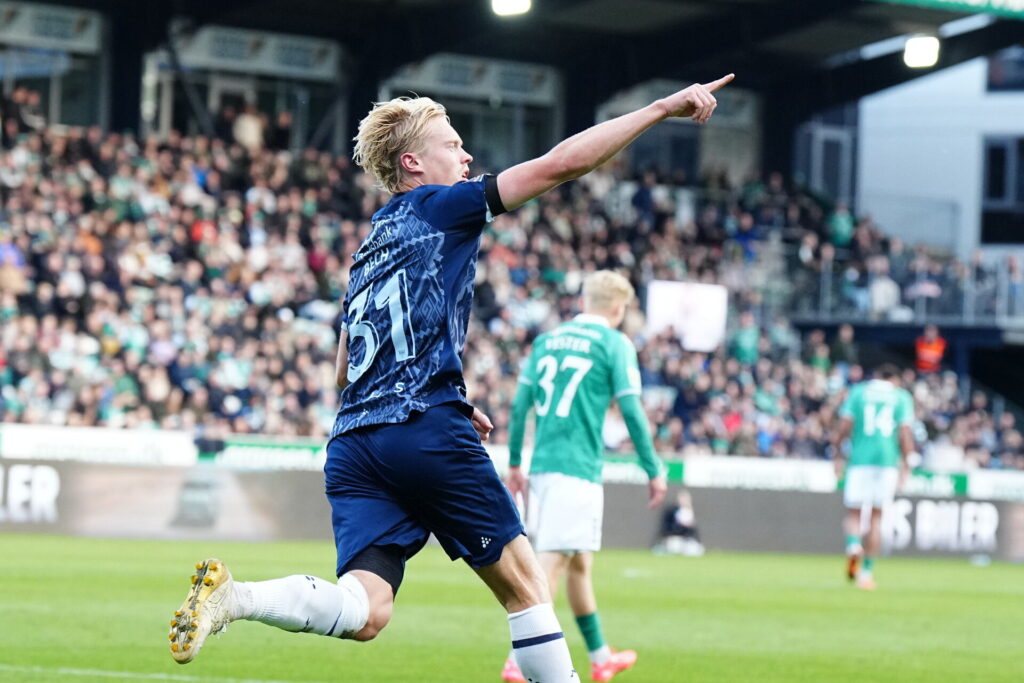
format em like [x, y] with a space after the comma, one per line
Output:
[585, 151]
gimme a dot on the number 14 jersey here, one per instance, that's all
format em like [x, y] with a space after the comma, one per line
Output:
[877, 409]
[408, 302]
[573, 373]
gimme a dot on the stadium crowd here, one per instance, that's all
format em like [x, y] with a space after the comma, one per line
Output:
[193, 283]
[866, 274]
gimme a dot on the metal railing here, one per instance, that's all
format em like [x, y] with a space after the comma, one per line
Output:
[948, 294]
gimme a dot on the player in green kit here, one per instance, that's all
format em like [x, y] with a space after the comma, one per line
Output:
[570, 379]
[877, 417]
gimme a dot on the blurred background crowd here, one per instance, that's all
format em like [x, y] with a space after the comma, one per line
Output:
[194, 283]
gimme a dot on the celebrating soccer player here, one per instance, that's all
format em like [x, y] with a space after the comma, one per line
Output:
[405, 457]
[570, 378]
[880, 416]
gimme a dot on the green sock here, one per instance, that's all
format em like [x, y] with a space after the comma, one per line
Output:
[590, 627]
[869, 563]
[852, 539]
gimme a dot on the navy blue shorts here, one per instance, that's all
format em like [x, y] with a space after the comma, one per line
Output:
[394, 485]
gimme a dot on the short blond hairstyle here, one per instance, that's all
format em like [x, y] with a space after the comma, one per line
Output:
[603, 290]
[390, 130]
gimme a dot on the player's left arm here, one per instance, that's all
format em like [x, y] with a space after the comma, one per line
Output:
[517, 420]
[908, 447]
[626, 389]
[842, 434]
[640, 432]
[516, 480]
[846, 412]
[341, 360]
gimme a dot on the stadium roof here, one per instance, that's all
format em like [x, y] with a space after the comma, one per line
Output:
[611, 44]
[808, 53]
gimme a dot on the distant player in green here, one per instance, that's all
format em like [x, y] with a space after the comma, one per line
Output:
[879, 416]
[570, 379]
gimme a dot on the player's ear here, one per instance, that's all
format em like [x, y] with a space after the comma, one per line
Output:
[410, 162]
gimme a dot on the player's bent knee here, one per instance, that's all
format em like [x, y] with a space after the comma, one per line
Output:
[380, 615]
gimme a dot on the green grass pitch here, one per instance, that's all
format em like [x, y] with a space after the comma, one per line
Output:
[97, 610]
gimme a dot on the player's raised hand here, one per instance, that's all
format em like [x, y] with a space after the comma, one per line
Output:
[697, 101]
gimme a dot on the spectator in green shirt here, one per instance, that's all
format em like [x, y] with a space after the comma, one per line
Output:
[745, 340]
[840, 226]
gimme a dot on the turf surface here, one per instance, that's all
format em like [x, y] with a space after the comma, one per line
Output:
[98, 610]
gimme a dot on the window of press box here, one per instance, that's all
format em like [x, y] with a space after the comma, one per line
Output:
[1002, 215]
[59, 86]
[1006, 70]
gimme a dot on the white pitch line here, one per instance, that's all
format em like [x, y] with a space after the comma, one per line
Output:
[102, 673]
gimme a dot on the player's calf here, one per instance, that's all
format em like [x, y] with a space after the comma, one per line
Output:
[300, 604]
[306, 604]
[379, 614]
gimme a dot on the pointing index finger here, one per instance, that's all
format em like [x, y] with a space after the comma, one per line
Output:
[724, 80]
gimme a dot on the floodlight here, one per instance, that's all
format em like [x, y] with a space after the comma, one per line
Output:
[921, 52]
[508, 8]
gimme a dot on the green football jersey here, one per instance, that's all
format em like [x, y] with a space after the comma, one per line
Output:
[574, 372]
[878, 409]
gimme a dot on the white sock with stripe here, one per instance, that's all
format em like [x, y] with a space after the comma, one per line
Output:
[305, 603]
[539, 646]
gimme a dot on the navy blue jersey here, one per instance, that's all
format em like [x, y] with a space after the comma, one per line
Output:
[408, 302]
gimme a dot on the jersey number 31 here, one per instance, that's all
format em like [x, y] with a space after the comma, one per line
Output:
[394, 298]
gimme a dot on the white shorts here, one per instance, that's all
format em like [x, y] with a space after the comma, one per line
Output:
[564, 514]
[870, 485]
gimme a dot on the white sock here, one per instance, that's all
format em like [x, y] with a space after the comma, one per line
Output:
[539, 646]
[305, 603]
[600, 655]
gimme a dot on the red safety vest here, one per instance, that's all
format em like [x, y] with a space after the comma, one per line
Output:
[929, 354]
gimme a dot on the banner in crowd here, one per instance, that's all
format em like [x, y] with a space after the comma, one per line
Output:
[203, 502]
[97, 445]
[696, 313]
[263, 453]
[797, 521]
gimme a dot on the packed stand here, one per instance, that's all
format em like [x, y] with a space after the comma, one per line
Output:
[186, 283]
[770, 394]
[851, 268]
[194, 283]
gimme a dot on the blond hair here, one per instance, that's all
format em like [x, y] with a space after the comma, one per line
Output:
[390, 130]
[603, 290]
